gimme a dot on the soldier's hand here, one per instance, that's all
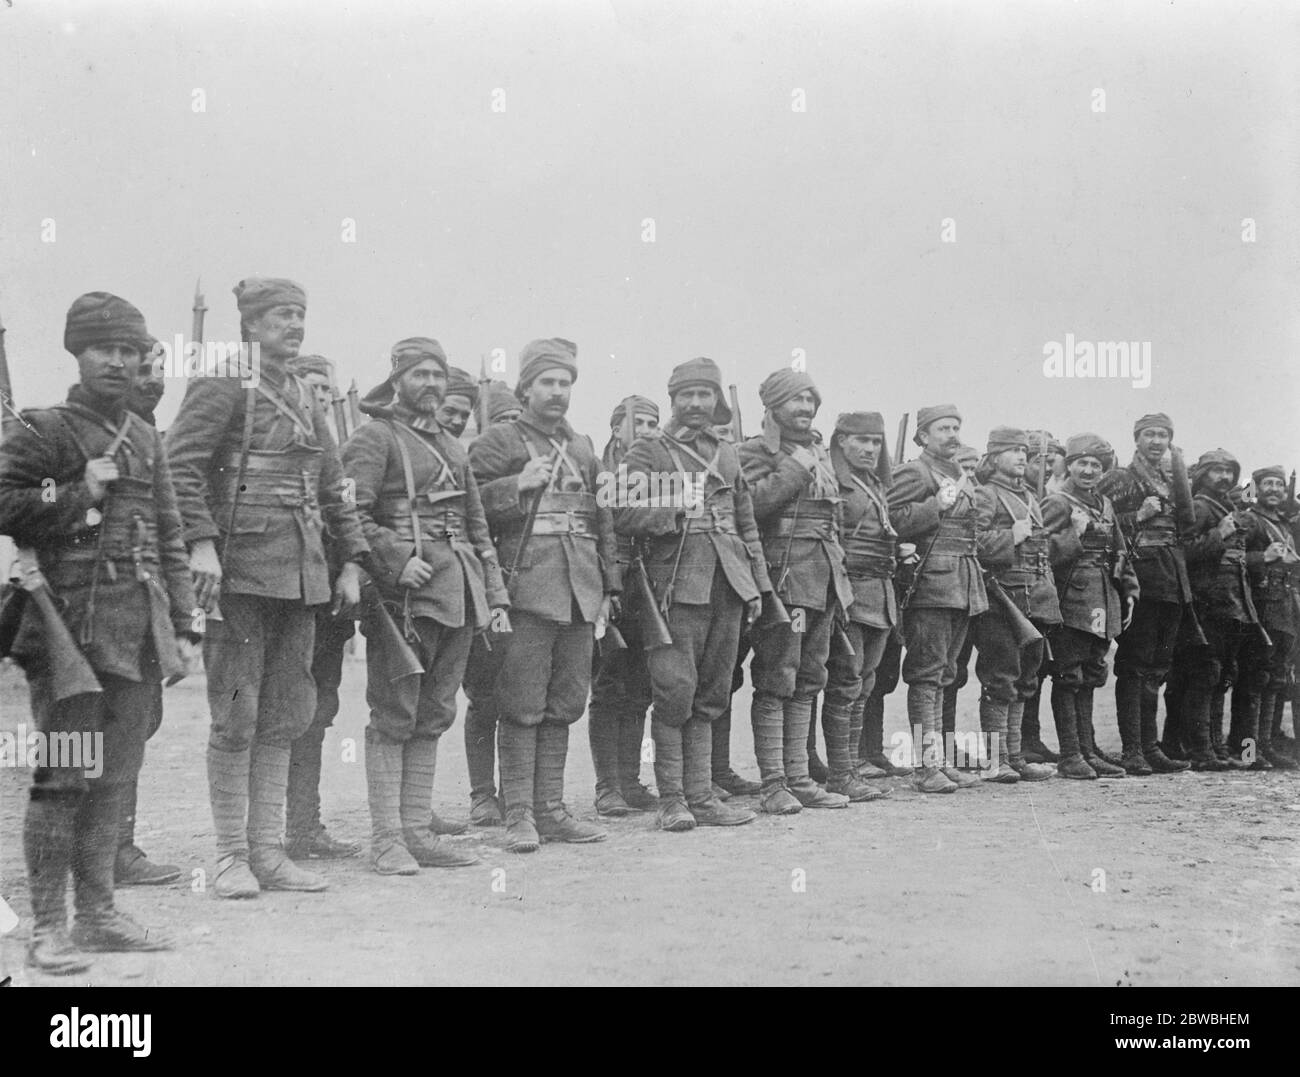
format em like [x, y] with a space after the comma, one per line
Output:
[205, 567]
[99, 473]
[347, 589]
[907, 553]
[1080, 520]
[535, 475]
[1150, 507]
[1130, 605]
[1275, 552]
[1228, 526]
[805, 457]
[947, 495]
[753, 610]
[1021, 530]
[415, 573]
[190, 655]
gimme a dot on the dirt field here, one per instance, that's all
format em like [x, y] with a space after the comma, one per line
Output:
[997, 885]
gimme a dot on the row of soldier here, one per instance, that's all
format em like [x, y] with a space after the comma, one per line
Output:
[498, 567]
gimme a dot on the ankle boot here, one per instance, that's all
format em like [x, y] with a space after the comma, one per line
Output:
[872, 748]
[993, 724]
[1016, 759]
[1217, 743]
[796, 718]
[948, 744]
[631, 733]
[602, 732]
[419, 767]
[1270, 721]
[1128, 715]
[1103, 767]
[1065, 714]
[1148, 710]
[1265, 749]
[554, 823]
[705, 808]
[837, 724]
[131, 866]
[48, 839]
[302, 809]
[518, 749]
[228, 782]
[670, 765]
[1196, 704]
[767, 714]
[724, 777]
[384, 765]
[1032, 748]
[268, 787]
[863, 767]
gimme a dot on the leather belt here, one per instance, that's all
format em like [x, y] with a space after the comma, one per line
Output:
[563, 523]
[787, 528]
[1154, 540]
[957, 544]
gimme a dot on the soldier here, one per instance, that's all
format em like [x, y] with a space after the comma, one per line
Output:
[459, 402]
[620, 683]
[108, 543]
[1148, 497]
[1097, 589]
[133, 867]
[1275, 576]
[705, 563]
[1044, 450]
[862, 470]
[969, 459]
[305, 834]
[1216, 560]
[796, 504]
[931, 503]
[502, 405]
[538, 480]
[1016, 551]
[433, 562]
[256, 469]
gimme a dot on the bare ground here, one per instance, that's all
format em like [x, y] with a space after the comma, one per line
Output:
[1189, 879]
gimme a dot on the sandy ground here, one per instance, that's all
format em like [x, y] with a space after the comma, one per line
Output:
[1189, 879]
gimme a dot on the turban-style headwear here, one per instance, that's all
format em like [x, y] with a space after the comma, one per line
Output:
[705, 372]
[104, 318]
[257, 294]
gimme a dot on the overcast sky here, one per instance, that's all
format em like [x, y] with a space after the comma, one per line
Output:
[774, 229]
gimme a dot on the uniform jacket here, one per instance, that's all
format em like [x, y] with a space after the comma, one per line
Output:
[1217, 568]
[1086, 568]
[1162, 570]
[119, 581]
[273, 550]
[1276, 584]
[1024, 571]
[730, 536]
[947, 580]
[867, 535]
[454, 531]
[780, 487]
[557, 570]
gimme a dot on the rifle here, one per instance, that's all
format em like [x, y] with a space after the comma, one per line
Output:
[900, 443]
[654, 628]
[198, 310]
[1182, 490]
[737, 428]
[1023, 630]
[354, 405]
[1041, 484]
[480, 411]
[338, 406]
[527, 533]
[399, 658]
[72, 673]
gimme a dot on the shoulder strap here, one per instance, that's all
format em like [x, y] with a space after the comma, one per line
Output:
[408, 476]
[246, 442]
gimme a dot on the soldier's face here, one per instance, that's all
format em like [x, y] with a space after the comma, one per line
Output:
[279, 331]
[969, 465]
[108, 371]
[453, 415]
[942, 437]
[1270, 492]
[149, 381]
[862, 451]
[548, 394]
[796, 414]
[1153, 442]
[1220, 477]
[693, 406]
[1011, 463]
[1085, 472]
[320, 389]
[507, 416]
[422, 387]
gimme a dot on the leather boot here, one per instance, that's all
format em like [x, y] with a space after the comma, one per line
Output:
[631, 733]
[837, 724]
[670, 778]
[1032, 748]
[554, 823]
[388, 853]
[100, 927]
[993, 724]
[1088, 737]
[872, 749]
[863, 767]
[1196, 702]
[704, 807]
[1269, 720]
[267, 789]
[724, 777]
[767, 714]
[797, 717]
[816, 768]
[131, 866]
[1149, 707]
[485, 810]
[1029, 772]
[948, 766]
[1128, 715]
[1173, 739]
[922, 701]
[48, 838]
[305, 835]
[419, 766]
[1217, 744]
[1264, 744]
[518, 749]
[228, 781]
[480, 761]
[602, 732]
[1065, 713]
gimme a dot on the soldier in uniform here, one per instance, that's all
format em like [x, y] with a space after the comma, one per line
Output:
[1147, 499]
[796, 504]
[969, 459]
[862, 470]
[434, 564]
[1016, 551]
[459, 402]
[1097, 589]
[705, 564]
[931, 504]
[108, 543]
[305, 834]
[620, 683]
[502, 404]
[1275, 577]
[539, 479]
[1216, 563]
[257, 471]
